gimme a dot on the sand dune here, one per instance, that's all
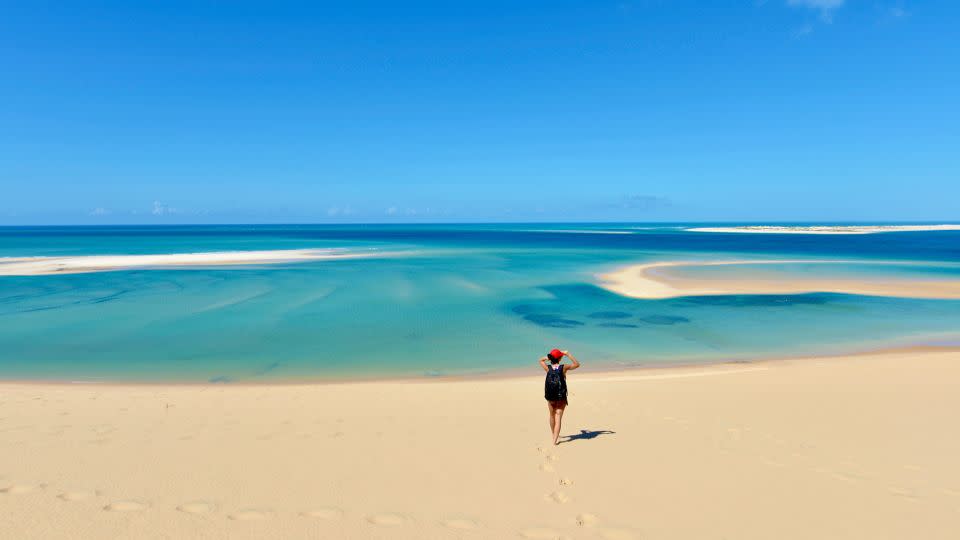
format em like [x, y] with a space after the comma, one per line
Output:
[855, 447]
[655, 280]
[826, 229]
[29, 266]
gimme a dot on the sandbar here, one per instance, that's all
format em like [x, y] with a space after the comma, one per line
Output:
[31, 266]
[826, 229]
[655, 280]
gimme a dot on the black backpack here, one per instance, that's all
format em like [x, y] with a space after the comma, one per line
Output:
[555, 385]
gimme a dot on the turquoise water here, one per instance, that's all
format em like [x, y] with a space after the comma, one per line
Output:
[463, 299]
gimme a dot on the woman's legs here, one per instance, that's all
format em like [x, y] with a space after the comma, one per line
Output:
[555, 420]
[552, 415]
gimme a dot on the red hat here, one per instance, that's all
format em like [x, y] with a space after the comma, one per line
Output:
[555, 354]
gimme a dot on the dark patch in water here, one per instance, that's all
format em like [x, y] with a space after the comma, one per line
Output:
[664, 319]
[756, 300]
[580, 291]
[219, 379]
[617, 325]
[609, 315]
[269, 368]
[107, 298]
[552, 321]
[523, 309]
[42, 308]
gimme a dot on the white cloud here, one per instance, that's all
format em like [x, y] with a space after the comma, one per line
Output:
[334, 211]
[818, 4]
[898, 12]
[99, 211]
[160, 209]
[803, 30]
[390, 211]
[826, 7]
[643, 202]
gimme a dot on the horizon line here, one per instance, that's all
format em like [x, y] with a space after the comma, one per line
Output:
[441, 223]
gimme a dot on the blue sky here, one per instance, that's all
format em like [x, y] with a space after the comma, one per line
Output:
[192, 112]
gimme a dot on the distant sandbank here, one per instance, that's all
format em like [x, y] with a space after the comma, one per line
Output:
[655, 280]
[32, 266]
[826, 229]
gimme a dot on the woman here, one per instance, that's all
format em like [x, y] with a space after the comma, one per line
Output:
[555, 387]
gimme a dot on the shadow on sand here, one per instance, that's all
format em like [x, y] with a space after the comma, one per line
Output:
[586, 434]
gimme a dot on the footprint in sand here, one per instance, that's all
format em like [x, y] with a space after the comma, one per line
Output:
[126, 506]
[73, 496]
[460, 524]
[587, 520]
[546, 467]
[541, 534]
[616, 534]
[197, 507]
[547, 453]
[323, 513]
[904, 493]
[16, 489]
[251, 515]
[847, 476]
[386, 520]
[558, 497]
[566, 482]
[104, 429]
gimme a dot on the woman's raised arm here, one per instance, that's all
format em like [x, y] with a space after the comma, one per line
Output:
[543, 363]
[575, 363]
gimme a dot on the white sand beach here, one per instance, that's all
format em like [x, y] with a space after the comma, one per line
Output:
[849, 447]
[655, 280]
[826, 229]
[31, 266]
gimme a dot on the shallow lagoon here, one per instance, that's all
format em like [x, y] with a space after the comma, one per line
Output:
[467, 299]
